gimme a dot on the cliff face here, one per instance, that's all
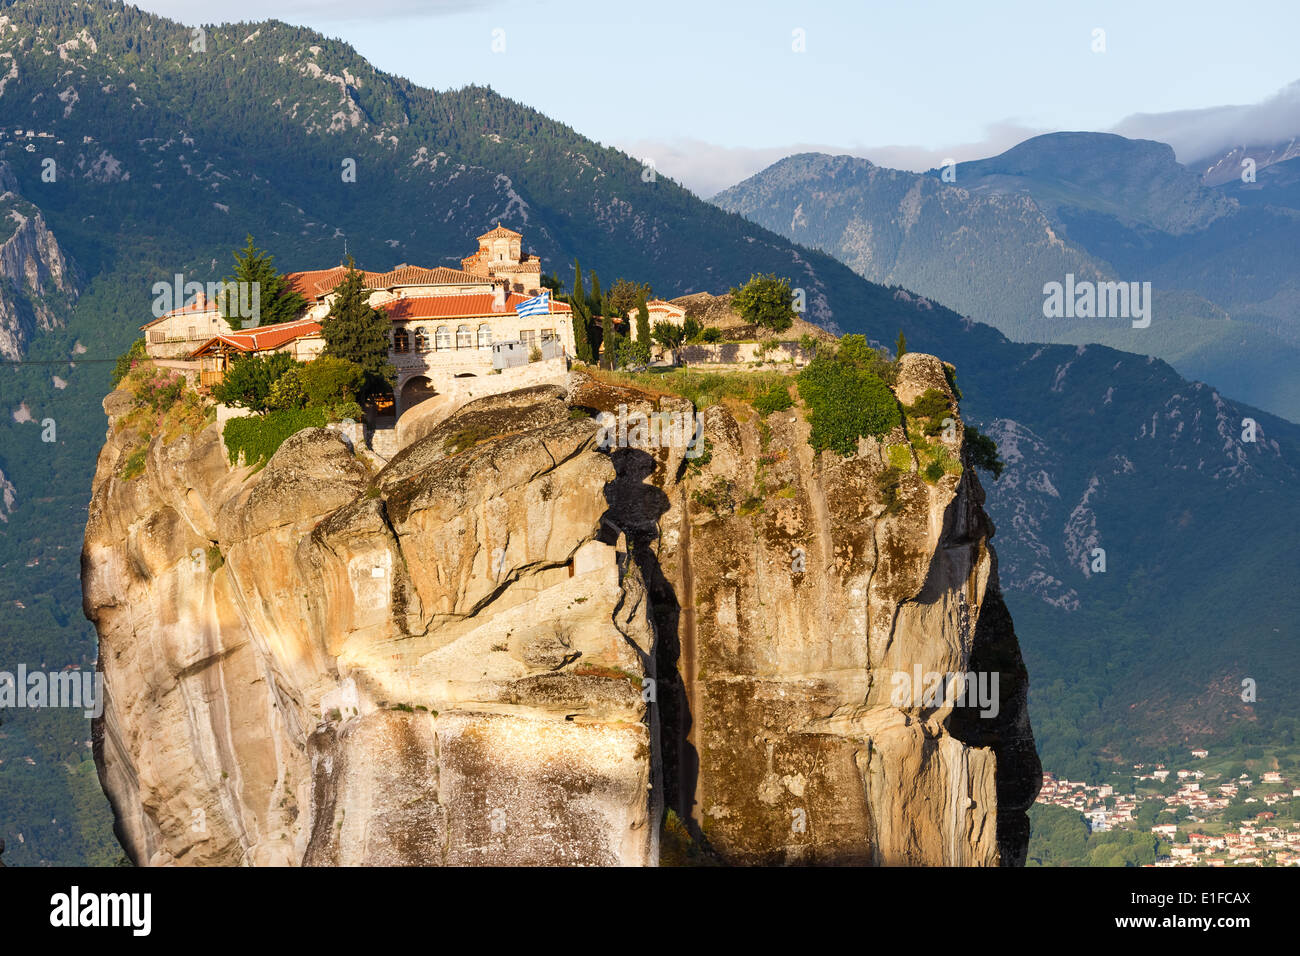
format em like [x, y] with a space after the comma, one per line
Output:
[511, 646]
[37, 276]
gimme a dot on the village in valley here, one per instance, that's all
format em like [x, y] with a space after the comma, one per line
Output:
[1202, 812]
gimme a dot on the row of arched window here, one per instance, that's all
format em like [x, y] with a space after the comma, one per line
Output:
[418, 338]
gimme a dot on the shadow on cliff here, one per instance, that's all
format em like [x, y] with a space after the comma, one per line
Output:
[635, 508]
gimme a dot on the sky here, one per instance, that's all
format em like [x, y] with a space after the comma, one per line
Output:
[713, 92]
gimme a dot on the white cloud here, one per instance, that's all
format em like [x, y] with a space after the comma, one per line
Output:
[1197, 134]
[707, 168]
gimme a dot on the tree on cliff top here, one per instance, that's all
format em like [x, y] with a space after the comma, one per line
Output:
[355, 331]
[276, 301]
[765, 300]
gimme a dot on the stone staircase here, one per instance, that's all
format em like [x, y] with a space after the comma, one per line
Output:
[383, 442]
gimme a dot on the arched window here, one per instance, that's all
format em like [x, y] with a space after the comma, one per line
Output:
[484, 336]
[442, 337]
[464, 337]
[421, 340]
[400, 341]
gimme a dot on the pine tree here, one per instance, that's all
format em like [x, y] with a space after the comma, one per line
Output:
[356, 332]
[276, 301]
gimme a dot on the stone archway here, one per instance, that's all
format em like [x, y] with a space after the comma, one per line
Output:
[416, 389]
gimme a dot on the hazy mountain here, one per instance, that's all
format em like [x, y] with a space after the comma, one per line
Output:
[167, 155]
[1222, 268]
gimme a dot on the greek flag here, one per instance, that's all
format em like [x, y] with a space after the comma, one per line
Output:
[537, 305]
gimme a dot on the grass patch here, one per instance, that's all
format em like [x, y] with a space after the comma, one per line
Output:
[465, 438]
[610, 673]
[899, 456]
[133, 467]
[702, 388]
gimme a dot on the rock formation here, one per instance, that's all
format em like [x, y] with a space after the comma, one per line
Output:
[514, 646]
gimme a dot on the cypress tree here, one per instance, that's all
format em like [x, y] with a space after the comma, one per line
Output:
[581, 320]
[902, 344]
[607, 341]
[356, 332]
[644, 323]
[596, 302]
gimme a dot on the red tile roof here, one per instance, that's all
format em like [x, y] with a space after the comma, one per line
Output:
[418, 275]
[263, 338]
[319, 283]
[458, 306]
[500, 232]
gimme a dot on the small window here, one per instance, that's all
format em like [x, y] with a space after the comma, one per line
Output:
[484, 337]
[547, 335]
[464, 337]
[528, 337]
[400, 341]
[421, 340]
[442, 338]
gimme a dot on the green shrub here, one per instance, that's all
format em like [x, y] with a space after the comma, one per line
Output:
[711, 334]
[287, 391]
[329, 380]
[336, 413]
[775, 399]
[127, 360]
[854, 350]
[161, 389]
[248, 380]
[983, 452]
[259, 436]
[846, 403]
[932, 405]
[950, 373]
[933, 471]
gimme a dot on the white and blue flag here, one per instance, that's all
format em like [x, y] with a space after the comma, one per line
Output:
[537, 305]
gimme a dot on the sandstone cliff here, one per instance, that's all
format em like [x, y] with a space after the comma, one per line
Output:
[512, 646]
